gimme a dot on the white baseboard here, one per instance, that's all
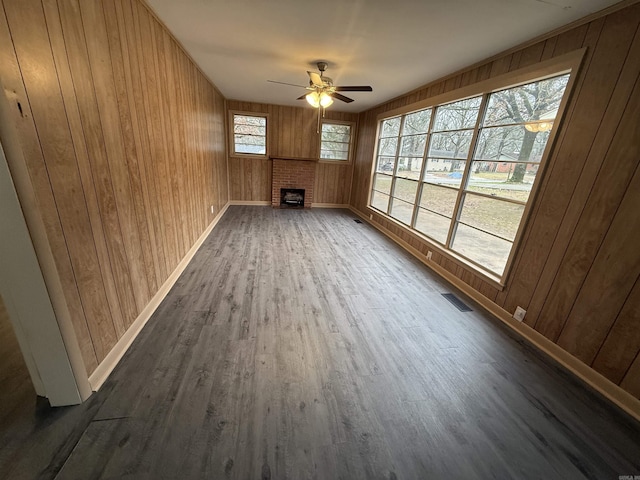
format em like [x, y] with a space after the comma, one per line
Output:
[100, 374]
[588, 375]
[250, 202]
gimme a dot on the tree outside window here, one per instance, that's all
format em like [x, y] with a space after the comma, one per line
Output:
[335, 141]
[476, 160]
[249, 134]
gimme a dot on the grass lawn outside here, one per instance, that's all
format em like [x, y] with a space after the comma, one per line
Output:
[493, 215]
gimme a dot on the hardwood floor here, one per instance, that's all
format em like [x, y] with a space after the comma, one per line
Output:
[301, 344]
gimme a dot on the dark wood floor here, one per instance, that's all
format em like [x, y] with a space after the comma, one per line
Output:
[16, 389]
[301, 344]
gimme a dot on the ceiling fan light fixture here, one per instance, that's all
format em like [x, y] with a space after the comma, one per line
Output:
[313, 99]
[322, 91]
[325, 100]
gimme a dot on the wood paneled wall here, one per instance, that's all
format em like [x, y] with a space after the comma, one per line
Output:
[124, 142]
[577, 269]
[291, 133]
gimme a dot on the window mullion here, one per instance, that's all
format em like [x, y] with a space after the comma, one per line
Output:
[375, 173]
[467, 169]
[398, 143]
[425, 157]
[392, 192]
[416, 201]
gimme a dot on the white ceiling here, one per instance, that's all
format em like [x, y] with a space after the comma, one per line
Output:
[392, 45]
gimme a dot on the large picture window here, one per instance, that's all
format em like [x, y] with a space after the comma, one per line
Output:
[461, 173]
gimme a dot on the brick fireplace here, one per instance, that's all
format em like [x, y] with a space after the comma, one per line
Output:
[293, 173]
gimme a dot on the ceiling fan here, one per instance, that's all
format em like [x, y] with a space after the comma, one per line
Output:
[323, 91]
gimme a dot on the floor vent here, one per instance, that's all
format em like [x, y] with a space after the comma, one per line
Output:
[456, 302]
[357, 220]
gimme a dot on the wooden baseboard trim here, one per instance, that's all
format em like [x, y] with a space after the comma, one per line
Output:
[595, 380]
[100, 374]
[250, 202]
[330, 205]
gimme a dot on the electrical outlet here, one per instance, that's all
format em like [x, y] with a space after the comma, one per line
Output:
[519, 314]
[429, 255]
[211, 208]
[370, 216]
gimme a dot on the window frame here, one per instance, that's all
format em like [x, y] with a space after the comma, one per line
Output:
[232, 140]
[352, 136]
[564, 64]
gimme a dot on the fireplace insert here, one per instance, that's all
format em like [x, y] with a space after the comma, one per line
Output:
[292, 197]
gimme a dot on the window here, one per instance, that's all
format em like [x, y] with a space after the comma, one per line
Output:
[335, 141]
[249, 134]
[449, 145]
[461, 173]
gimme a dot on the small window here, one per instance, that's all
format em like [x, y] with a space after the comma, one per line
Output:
[249, 134]
[335, 141]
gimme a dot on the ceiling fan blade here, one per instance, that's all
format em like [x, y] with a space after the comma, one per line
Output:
[301, 97]
[284, 83]
[342, 97]
[354, 88]
[315, 79]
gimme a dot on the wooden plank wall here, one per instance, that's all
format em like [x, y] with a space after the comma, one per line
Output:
[124, 142]
[577, 269]
[291, 133]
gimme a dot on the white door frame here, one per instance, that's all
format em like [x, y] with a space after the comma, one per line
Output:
[29, 283]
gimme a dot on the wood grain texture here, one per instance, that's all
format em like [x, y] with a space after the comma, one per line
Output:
[529, 56]
[562, 177]
[291, 133]
[37, 66]
[333, 183]
[611, 277]
[123, 88]
[102, 71]
[96, 165]
[129, 154]
[250, 179]
[588, 174]
[300, 344]
[622, 344]
[33, 156]
[631, 381]
[58, 48]
[606, 166]
[579, 175]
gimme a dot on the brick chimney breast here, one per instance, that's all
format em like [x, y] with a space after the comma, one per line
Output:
[299, 173]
